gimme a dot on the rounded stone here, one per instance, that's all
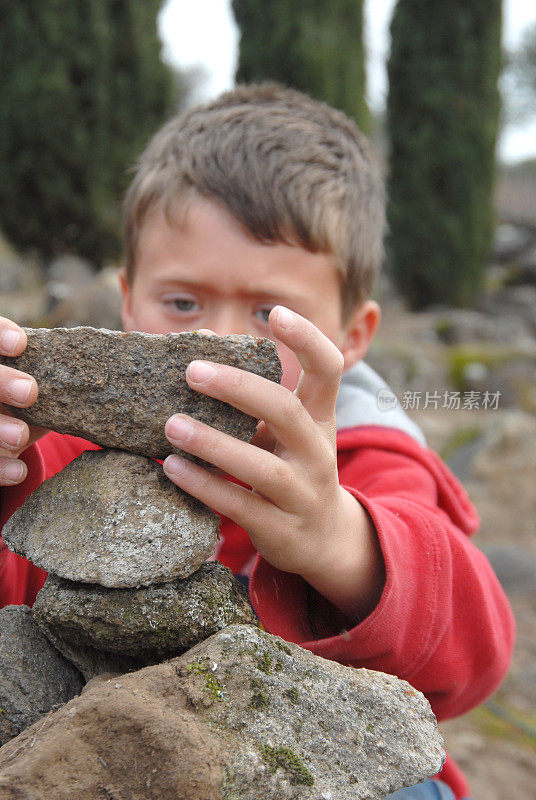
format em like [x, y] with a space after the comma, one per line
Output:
[151, 623]
[115, 519]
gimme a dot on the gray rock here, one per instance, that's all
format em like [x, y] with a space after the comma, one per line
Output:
[115, 519]
[92, 663]
[510, 240]
[462, 326]
[152, 623]
[17, 274]
[242, 715]
[307, 727]
[96, 304]
[70, 269]
[65, 275]
[515, 568]
[118, 389]
[34, 678]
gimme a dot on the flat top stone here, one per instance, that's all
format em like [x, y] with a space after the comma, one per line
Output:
[115, 519]
[118, 389]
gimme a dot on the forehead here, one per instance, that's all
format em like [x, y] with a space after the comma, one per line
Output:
[205, 244]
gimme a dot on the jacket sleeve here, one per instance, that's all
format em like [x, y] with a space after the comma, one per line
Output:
[443, 622]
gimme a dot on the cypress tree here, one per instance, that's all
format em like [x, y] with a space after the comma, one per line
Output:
[314, 45]
[82, 87]
[442, 116]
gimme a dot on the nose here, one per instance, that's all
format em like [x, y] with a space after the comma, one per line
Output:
[227, 321]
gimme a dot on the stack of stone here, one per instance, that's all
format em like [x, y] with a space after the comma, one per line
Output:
[125, 549]
[232, 711]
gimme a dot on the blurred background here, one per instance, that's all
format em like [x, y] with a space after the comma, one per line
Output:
[447, 93]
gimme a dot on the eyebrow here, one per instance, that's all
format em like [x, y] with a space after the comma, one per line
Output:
[267, 292]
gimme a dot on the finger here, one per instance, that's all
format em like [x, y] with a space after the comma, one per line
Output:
[280, 409]
[17, 388]
[12, 471]
[13, 339]
[236, 502]
[264, 438]
[321, 360]
[14, 433]
[265, 472]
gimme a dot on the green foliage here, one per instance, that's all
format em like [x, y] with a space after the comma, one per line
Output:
[81, 89]
[314, 45]
[443, 113]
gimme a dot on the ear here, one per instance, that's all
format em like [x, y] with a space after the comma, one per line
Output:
[359, 330]
[126, 301]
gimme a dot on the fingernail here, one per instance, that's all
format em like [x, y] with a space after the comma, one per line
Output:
[200, 371]
[19, 390]
[11, 433]
[179, 428]
[174, 465]
[285, 317]
[13, 471]
[9, 340]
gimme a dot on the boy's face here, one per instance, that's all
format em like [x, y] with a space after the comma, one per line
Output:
[210, 273]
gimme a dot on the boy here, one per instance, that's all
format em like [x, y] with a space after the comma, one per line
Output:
[262, 213]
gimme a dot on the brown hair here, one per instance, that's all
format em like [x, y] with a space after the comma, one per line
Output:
[289, 168]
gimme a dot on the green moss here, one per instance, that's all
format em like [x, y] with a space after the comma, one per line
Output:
[285, 758]
[278, 666]
[444, 328]
[459, 438]
[228, 789]
[259, 700]
[283, 647]
[264, 662]
[256, 683]
[212, 685]
[462, 357]
[292, 694]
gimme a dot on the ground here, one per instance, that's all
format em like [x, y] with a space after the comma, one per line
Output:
[494, 453]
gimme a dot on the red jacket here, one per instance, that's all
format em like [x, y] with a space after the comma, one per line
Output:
[442, 623]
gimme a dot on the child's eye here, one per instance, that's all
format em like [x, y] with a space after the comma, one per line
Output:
[183, 304]
[263, 313]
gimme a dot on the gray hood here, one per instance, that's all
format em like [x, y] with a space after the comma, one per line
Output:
[359, 402]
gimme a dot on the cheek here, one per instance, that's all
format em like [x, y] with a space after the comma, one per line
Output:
[147, 316]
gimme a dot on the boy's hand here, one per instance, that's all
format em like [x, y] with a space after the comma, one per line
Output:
[20, 390]
[298, 516]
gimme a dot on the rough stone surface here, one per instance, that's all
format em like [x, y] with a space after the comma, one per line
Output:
[92, 663]
[115, 519]
[152, 623]
[34, 677]
[242, 715]
[118, 389]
